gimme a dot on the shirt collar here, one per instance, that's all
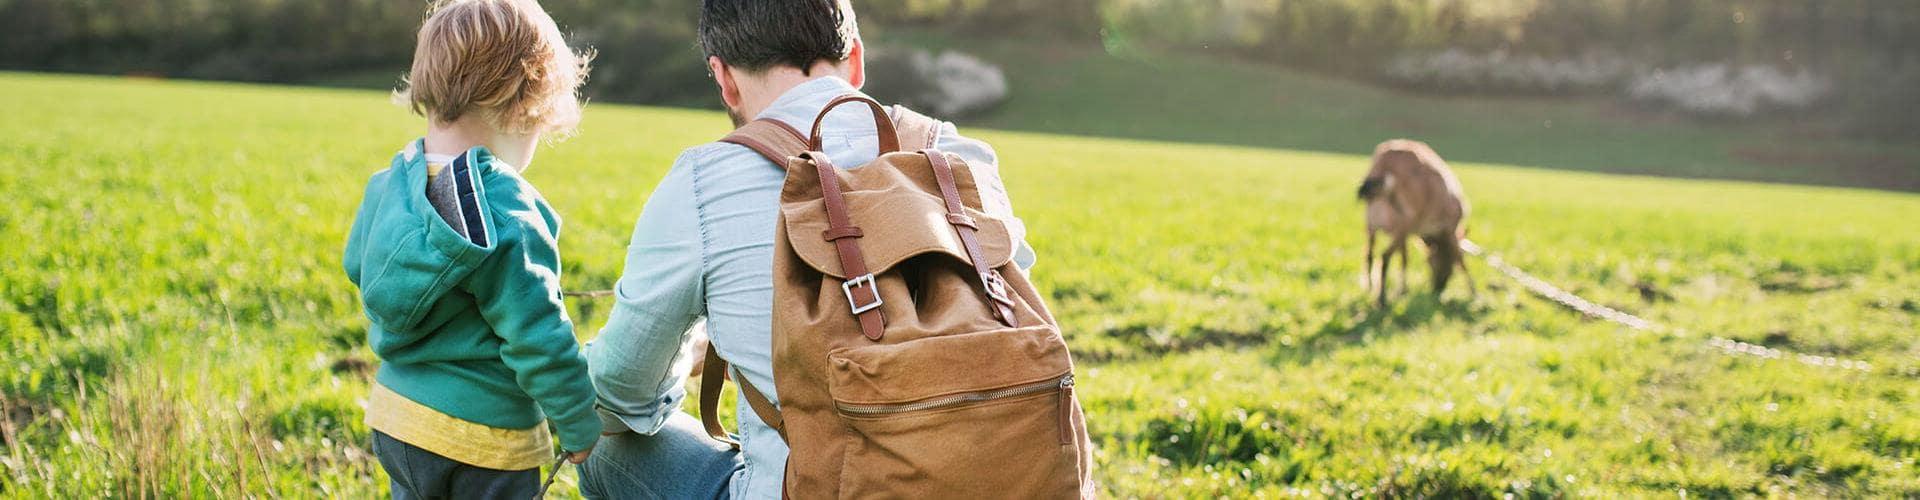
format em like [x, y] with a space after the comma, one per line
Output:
[798, 105]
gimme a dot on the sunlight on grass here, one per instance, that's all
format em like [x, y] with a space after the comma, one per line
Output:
[174, 320]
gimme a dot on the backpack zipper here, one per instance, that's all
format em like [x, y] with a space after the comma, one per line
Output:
[1066, 413]
[1063, 384]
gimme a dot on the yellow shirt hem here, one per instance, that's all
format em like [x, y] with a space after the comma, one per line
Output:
[459, 440]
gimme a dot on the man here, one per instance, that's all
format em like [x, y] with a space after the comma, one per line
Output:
[703, 248]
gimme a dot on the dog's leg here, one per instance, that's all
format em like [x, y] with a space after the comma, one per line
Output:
[1400, 242]
[1369, 268]
[1399, 245]
[1472, 291]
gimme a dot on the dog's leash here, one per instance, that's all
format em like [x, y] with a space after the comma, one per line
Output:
[1583, 306]
[561, 460]
[558, 462]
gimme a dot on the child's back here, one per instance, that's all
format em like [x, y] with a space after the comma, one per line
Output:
[458, 267]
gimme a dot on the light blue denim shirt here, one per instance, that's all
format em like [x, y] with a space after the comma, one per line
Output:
[703, 248]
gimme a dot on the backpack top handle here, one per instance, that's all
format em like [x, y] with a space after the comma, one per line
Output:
[889, 140]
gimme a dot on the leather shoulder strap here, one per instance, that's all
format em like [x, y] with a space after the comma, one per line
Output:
[762, 407]
[916, 131]
[991, 283]
[776, 140]
[773, 139]
[713, 374]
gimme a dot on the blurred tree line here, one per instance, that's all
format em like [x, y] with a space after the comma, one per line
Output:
[322, 40]
[282, 40]
[316, 40]
[1357, 35]
[648, 53]
[1868, 49]
[254, 40]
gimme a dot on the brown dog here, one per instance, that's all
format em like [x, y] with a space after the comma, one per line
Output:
[1410, 190]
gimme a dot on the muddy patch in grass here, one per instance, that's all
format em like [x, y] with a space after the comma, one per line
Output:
[1799, 282]
[16, 414]
[1149, 340]
[1651, 293]
[352, 365]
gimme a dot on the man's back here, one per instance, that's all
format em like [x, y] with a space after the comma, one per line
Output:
[703, 248]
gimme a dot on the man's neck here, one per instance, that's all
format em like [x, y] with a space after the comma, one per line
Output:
[768, 86]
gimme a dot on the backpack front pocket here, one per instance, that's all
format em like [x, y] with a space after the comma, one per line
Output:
[977, 415]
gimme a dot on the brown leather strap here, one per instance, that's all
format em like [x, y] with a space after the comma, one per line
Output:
[863, 292]
[713, 375]
[889, 140]
[777, 141]
[761, 406]
[773, 139]
[991, 283]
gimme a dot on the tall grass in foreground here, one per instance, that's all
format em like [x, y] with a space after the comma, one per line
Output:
[173, 320]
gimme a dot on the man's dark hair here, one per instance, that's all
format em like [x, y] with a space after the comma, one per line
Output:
[758, 34]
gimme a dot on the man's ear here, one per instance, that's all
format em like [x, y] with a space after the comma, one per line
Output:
[857, 64]
[723, 76]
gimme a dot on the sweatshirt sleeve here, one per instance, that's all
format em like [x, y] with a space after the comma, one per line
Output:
[517, 289]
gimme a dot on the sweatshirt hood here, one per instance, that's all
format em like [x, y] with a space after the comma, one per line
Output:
[408, 257]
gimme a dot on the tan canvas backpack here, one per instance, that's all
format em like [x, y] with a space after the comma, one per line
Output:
[913, 360]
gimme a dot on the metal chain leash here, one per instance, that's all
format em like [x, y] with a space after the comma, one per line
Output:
[1724, 345]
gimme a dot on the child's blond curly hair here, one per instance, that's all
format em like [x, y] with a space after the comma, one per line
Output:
[502, 59]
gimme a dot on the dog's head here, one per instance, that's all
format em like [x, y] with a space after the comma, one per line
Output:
[1373, 186]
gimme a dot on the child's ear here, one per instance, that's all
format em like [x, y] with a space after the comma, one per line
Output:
[723, 76]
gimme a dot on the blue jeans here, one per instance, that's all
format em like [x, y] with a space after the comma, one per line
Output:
[418, 473]
[678, 462]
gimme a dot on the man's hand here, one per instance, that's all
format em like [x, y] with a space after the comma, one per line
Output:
[579, 457]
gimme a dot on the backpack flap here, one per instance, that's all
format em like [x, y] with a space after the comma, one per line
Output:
[899, 223]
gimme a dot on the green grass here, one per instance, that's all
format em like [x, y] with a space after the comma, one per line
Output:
[174, 322]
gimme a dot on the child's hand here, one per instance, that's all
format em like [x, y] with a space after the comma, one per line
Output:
[579, 456]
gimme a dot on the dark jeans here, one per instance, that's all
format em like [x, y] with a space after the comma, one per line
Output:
[418, 473]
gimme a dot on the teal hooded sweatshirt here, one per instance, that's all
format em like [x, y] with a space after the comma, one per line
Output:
[475, 331]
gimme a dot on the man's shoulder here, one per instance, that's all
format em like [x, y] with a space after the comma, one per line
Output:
[721, 159]
[709, 152]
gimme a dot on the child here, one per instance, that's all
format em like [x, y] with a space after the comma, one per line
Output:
[456, 260]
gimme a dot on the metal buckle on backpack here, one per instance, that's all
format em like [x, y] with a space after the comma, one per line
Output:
[863, 280]
[996, 287]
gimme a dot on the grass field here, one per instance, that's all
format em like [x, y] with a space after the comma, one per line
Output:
[174, 321]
